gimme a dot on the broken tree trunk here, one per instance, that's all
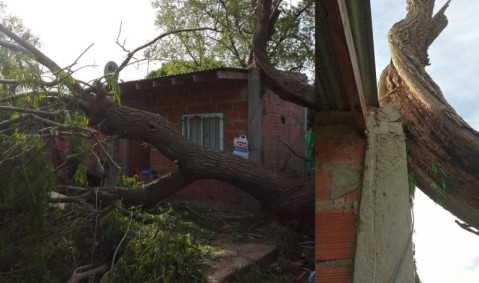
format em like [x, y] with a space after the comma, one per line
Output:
[285, 198]
[443, 150]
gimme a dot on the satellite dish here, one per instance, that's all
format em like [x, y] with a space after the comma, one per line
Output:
[110, 67]
[147, 53]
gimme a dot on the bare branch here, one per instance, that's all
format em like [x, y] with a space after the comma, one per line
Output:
[8, 81]
[108, 156]
[30, 111]
[19, 95]
[66, 200]
[13, 121]
[75, 62]
[132, 53]
[39, 56]
[13, 47]
[467, 227]
[80, 275]
[122, 239]
[294, 152]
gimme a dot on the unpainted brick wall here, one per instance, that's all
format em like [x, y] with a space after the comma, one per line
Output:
[337, 146]
[223, 96]
[283, 125]
[230, 98]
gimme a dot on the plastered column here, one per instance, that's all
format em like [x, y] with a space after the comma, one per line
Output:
[384, 248]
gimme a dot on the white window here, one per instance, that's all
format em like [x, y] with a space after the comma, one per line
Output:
[204, 129]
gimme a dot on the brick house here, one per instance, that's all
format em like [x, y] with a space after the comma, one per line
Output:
[211, 108]
[363, 223]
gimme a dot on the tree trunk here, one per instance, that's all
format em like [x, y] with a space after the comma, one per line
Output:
[443, 150]
[285, 198]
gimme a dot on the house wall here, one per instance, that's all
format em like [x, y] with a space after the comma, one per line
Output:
[223, 96]
[227, 97]
[363, 212]
[339, 152]
[278, 130]
[283, 132]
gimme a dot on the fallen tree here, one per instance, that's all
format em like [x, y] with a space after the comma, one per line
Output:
[287, 199]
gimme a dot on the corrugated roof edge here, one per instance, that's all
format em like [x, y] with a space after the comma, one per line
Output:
[243, 70]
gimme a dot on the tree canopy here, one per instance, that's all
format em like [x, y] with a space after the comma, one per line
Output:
[291, 46]
[47, 112]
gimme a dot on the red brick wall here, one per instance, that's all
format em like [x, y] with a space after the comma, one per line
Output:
[224, 96]
[283, 121]
[335, 219]
[230, 98]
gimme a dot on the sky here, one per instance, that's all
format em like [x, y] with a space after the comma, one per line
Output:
[67, 28]
[445, 253]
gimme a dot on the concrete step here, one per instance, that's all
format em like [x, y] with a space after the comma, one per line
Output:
[235, 258]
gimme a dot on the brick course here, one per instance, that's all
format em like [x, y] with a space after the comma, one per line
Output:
[336, 146]
[230, 98]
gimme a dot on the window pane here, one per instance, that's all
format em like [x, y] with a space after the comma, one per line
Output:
[204, 129]
[211, 134]
[194, 133]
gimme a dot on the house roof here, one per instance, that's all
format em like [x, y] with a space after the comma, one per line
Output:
[345, 65]
[226, 73]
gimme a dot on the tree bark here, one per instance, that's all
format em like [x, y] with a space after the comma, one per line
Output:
[285, 198]
[443, 150]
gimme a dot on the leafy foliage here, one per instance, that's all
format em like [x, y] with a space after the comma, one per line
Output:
[184, 66]
[48, 255]
[163, 246]
[439, 188]
[26, 177]
[291, 46]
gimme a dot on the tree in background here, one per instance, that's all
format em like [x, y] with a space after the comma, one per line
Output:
[291, 46]
[183, 66]
[41, 103]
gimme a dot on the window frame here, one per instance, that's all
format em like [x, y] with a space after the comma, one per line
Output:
[185, 130]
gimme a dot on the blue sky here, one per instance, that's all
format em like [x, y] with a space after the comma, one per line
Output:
[444, 252]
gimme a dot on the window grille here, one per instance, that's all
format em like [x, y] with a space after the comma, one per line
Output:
[204, 129]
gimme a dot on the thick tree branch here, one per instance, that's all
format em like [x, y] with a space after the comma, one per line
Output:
[147, 196]
[437, 135]
[197, 162]
[286, 198]
[284, 84]
[13, 47]
[40, 57]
